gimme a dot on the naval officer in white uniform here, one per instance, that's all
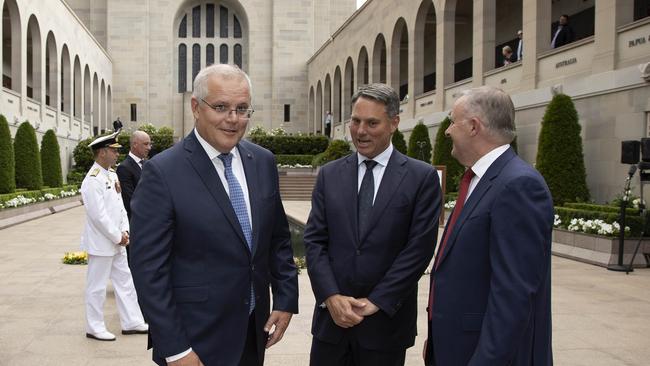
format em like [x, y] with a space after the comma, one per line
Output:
[105, 236]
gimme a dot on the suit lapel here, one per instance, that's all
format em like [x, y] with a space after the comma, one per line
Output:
[349, 176]
[474, 199]
[208, 174]
[250, 170]
[390, 181]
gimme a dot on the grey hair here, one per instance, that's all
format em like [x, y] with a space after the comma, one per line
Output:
[223, 70]
[381, 93]
[136, 136]
[495, 109]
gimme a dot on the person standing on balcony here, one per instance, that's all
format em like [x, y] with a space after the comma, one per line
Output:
[563, 34]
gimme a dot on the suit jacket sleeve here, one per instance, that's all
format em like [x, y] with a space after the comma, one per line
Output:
[128, 184]
[520, 244]
[284, 275]
[151, 250]
[411, 262]
[323, 280]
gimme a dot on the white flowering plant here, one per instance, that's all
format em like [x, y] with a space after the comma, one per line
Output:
[294, 166]
[596, 226]
[36, 196]
[450, 204]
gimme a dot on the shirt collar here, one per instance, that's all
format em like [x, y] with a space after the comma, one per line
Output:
[211, 151]
[483, 164]
[137, 159]
[381, 159]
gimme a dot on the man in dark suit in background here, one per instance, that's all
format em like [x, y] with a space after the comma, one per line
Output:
[210, 237]
[563, 33]
[128, 172]
[490, 298]
[370, 235]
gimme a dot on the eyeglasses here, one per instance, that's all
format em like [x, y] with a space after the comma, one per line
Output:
[222, 109]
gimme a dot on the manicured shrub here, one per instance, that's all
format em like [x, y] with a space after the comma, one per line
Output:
[294, 159]
[419, 143]
[442, 156]
[559, 156]
[292, 144]
[27, 158]
[83, 155]
[635, 223]
[51, 160]
[399, 142]
[7, 163]
[336, 150]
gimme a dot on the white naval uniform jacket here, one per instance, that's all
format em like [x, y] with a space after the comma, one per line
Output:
[105, 214]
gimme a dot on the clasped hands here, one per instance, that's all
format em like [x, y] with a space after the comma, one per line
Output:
[347, 311]
[125, 239]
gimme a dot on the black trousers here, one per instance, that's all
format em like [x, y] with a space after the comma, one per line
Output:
[250, 356]
[349, 353]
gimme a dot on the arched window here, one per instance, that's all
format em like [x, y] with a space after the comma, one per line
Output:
[214, 26]
[182, 68]
[223, 54]
[209, 55]
[196, 60]
[238, 55]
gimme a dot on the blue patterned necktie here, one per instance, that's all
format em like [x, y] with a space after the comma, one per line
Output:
[239, 205]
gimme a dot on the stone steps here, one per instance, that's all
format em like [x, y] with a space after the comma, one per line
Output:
[297, 187]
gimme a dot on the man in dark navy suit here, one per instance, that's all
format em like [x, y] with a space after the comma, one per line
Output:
[490, 298]
[370, 235]
[210, 237]
[129, 170]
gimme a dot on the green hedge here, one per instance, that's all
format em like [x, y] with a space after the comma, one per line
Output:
[7, 163]
[51, 160]
[635, 223]
[600, 208]
[292, 145]
[451, 196]
[399, 142]
[336, 150]
[420, 133]
[37, 193]
[27, 158]
[559, 154]
[442, 156]
[294, 159]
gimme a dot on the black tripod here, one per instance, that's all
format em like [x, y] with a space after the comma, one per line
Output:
[643, 178]
[619, 267]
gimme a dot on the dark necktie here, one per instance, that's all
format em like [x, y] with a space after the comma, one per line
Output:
[460, 202]
[239, 205]
[366, 196]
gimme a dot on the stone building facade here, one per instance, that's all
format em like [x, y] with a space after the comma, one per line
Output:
[431, 50]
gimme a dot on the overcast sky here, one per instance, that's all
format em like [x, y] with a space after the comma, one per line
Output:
[360, 2]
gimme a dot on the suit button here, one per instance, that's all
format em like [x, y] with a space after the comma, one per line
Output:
[253, 267]
[246, 301]
[358, 252]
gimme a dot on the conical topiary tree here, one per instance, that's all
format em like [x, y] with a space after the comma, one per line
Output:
[51, 160]
[442, 156]
[419, 143]
[559, 153]
[398, 142]
[28, 160]
[7, 167]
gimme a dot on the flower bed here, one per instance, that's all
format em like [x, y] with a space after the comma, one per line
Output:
[17, 199]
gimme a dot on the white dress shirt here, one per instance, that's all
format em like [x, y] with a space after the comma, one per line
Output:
[136, 159]
[377, 172]
[482, 165]
[238, 171]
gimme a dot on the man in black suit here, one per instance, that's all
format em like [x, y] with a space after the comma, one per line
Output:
[129, 170]
[563, 34]
[370, 235]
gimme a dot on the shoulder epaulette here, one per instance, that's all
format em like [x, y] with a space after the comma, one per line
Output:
[111, 170]
[94, 172]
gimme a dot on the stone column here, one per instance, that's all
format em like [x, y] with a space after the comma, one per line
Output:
[446, 52]
[537, 38]
[483, 40]
[622, 11]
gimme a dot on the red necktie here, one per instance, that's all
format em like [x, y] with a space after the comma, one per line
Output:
[460, 202]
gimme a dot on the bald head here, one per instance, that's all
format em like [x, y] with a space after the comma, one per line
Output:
[140, 144]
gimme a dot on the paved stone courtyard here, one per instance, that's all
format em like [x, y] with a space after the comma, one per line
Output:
[599, 317]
